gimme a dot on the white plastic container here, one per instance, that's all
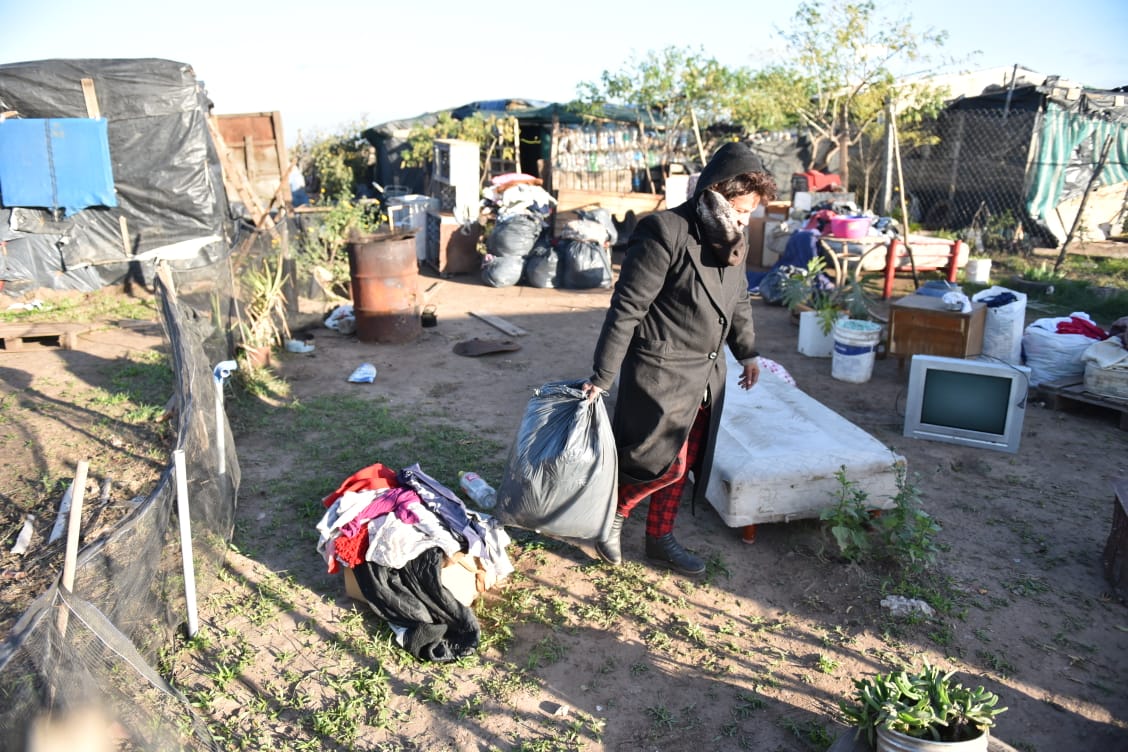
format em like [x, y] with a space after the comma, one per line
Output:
[480, 492]
[812, 341]
[409, 214]
[855, 343]
[978, 271]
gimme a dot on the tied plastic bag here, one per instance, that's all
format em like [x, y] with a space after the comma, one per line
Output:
[1052, 355]
[365, 373]
[561, 477]
[1006, 317]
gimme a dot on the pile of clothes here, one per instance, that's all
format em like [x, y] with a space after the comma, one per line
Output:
[396, 532]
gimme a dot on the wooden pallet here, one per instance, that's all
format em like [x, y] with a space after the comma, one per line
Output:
[1065, 394]
[19, 337]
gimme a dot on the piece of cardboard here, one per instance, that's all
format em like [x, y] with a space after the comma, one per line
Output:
[458, 578]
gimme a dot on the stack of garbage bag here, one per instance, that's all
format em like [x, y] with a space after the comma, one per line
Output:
[522, 209]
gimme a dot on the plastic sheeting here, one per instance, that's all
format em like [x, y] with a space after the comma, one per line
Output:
[1056, 177]
[167, 175]
[52, 164]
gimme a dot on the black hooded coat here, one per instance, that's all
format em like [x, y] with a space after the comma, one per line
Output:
[674, 308]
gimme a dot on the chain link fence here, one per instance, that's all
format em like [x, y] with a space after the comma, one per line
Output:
[972, 172]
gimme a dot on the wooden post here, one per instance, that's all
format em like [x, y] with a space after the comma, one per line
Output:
[91, 97]
[904, 207]
[697, 136]
[1084, 200]
[887, 187]
[1116, 549]
[74, 524]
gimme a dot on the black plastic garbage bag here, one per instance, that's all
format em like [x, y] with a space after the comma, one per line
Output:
[562, 473]
[542, 267]
[503, 271]
[603, 217]
[514, 235]
[584, 266]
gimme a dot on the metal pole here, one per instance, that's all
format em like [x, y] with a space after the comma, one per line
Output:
[183, 513]
[220, 373]
[887, 187]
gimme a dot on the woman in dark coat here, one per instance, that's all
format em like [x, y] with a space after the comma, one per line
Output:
[681, 296]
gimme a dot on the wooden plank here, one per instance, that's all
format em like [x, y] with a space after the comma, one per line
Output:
[16, 337]
[1063, 393]
[1115, 556]
[237, 177]
[569, 200]
[91, 97]
[499, 323]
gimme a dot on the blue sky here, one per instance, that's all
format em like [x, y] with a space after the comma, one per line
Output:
[338, 62]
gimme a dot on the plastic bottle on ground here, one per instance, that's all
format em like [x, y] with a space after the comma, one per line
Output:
[480, 492]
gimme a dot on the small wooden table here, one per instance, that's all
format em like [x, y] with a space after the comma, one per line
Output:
[922, 325]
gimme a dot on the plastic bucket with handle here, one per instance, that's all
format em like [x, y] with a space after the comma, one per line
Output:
[855, 343]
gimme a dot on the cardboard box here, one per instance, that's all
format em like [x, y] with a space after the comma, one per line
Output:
[460, 576]
[776, 234]
[755, 233]
[449, 249]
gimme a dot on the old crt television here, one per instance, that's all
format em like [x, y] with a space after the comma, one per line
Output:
[976, 403]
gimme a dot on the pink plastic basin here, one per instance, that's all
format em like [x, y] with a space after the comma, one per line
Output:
[850, 227]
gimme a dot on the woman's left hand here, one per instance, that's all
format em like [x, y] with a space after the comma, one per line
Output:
[750, 375]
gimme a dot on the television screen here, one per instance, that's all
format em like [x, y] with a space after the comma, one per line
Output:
[972, 401]
[977, 403]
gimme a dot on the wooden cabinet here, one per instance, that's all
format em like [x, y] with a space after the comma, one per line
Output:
[920, 324]
[450, 250]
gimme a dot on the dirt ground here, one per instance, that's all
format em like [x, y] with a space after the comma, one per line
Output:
[1023, 534]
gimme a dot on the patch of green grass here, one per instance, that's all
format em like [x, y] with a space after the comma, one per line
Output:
[351, 433]
[95, 306]
[1096, 285]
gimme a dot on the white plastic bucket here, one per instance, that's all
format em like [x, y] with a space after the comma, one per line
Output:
[978, 271]
[812, 341]
[855, 342]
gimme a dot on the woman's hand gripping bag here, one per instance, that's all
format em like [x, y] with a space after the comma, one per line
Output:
[561, 477]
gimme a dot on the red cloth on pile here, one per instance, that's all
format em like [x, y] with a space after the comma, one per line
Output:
[1078, 325]
[373, 477]
[352, 549]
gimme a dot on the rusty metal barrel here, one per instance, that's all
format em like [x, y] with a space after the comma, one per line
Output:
[385, 287]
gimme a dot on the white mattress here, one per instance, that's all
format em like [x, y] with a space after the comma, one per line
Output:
[778, 451]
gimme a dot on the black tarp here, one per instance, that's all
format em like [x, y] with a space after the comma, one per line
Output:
[166, 171]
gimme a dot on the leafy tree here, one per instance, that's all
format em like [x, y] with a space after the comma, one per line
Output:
[493, 135]
[849, 54]
[334, 164]
[674, 90]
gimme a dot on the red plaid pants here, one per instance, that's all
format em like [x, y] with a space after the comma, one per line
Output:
[665, 492]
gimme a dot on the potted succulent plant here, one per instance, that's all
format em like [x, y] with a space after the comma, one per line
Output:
[923, 709]
[262, 323]
[817, 304]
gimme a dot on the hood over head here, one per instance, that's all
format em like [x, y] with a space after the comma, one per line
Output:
[732, 159]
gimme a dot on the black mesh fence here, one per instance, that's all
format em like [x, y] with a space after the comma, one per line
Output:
[967, 171]
[93, 649]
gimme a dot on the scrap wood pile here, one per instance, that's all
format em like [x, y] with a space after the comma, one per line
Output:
[416, 554]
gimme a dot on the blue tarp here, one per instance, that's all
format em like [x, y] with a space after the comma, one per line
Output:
[56, 163]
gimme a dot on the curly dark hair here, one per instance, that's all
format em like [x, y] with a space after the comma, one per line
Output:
[745, 183]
